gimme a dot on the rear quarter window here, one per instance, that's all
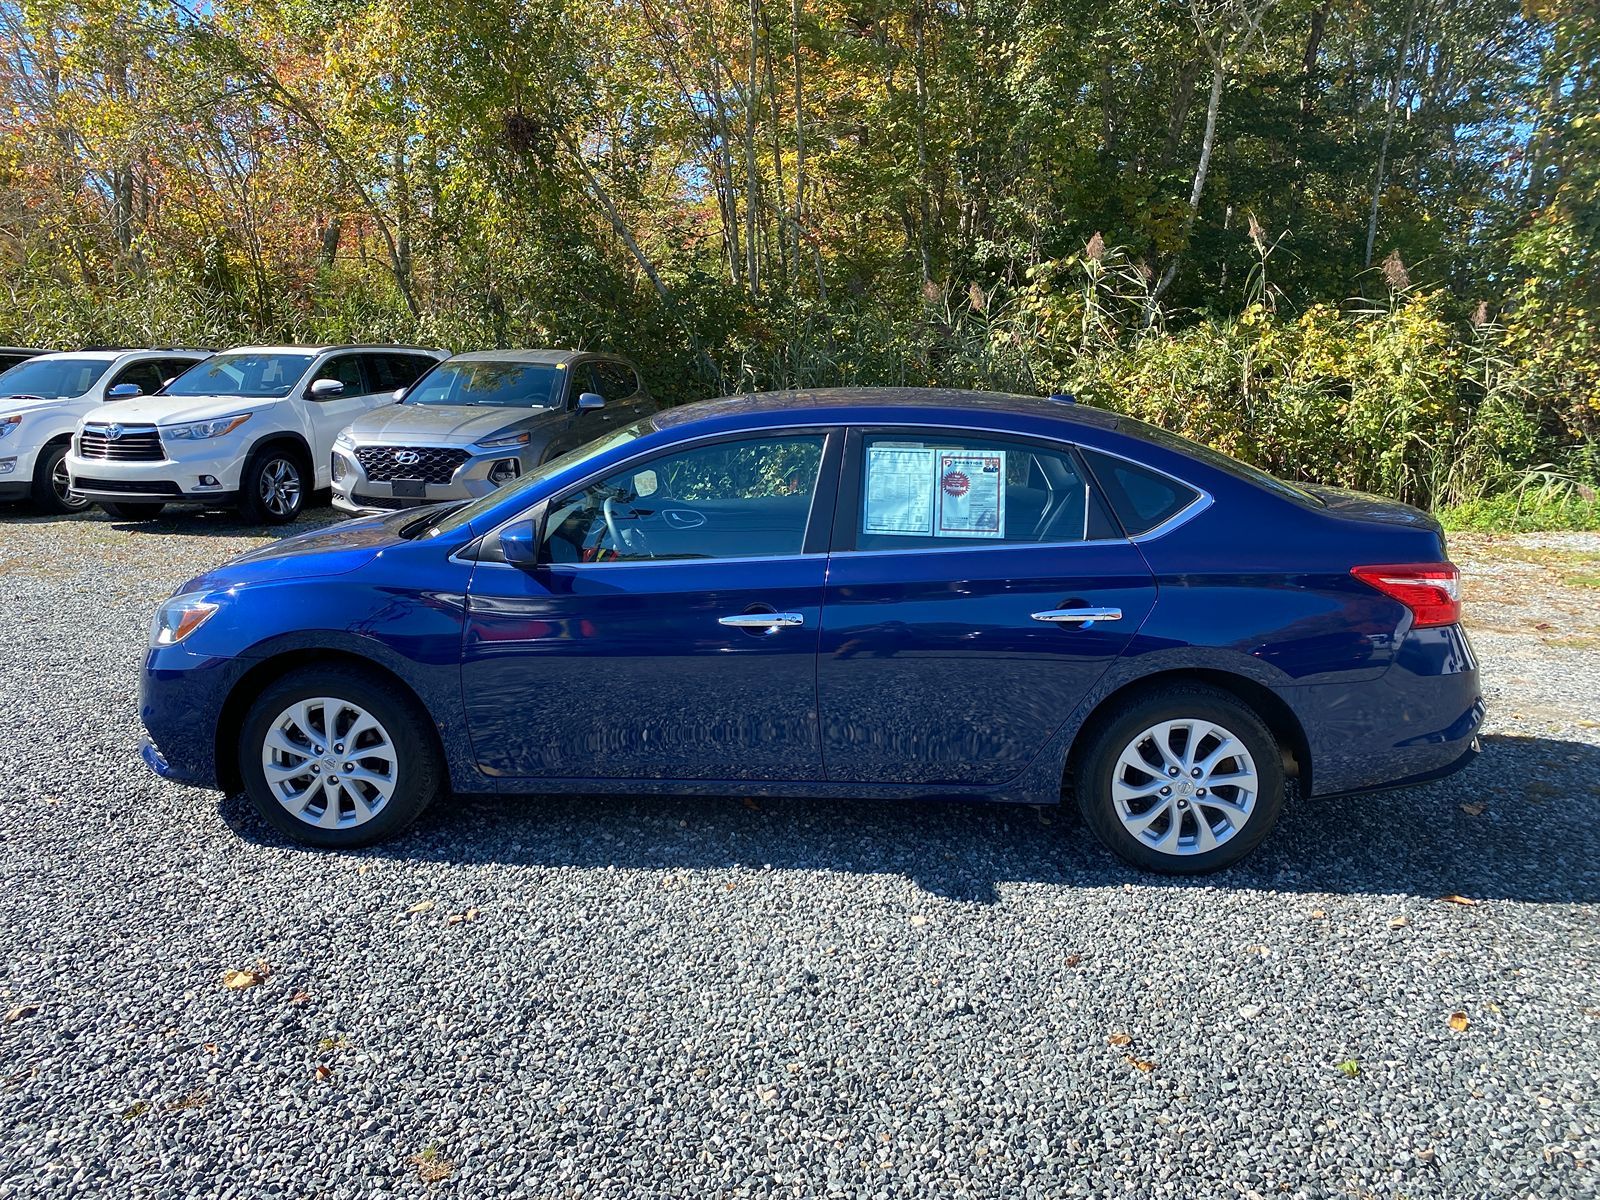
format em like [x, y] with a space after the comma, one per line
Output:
[1141, 498]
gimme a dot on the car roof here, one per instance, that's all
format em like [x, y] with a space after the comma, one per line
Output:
[111, 354]
[558, 357]
[323, 348]
[21, 350]
[884, 402]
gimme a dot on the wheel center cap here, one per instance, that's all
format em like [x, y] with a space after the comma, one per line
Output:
[330, 764]
[1185, 787]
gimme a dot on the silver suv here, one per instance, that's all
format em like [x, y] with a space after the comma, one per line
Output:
[477, 421]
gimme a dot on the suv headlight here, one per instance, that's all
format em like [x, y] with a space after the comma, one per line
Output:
[201, 430]
[509, 439]
[8, 425]
[179, 617]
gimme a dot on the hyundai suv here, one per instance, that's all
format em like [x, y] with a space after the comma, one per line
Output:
[481, 420]
[251, 427]
[43, 399]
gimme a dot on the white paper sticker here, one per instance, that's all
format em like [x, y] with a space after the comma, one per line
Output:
[899, 491]
[972, 494]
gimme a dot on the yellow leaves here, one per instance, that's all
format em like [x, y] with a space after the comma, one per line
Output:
[1459, 1022]
[1120, 1039]
[1140, 1063]
[1463, 901]
[421, 906]
[20, 1012]
[470, 914]
[249, 977]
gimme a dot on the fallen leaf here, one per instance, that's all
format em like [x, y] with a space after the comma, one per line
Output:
[1398, 923]
[1120, 1039]
[1349, 1068]
[981, 1151]
[1474, 810]
[421, 906]
[1318, 914]
[21, 1011]
[192, 1100]
[1464, 901]
[457, 918]
[1459, 1022]
[1074, 959]
[250, 977]
[209, 1047]
[324, 1072]
[137, 1109]
[363, 868]
[1142, 1064]
[919, 921]
[301, 996]
[730, 887]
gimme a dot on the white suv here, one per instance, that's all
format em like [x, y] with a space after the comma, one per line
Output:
[43, 399]
[252, 427]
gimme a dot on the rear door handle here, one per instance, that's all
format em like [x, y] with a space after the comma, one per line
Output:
[766, 620]
[1078, 616]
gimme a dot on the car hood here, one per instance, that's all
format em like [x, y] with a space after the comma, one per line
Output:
[11, 405]
[452, 424]
[336, 550]
[179, 410]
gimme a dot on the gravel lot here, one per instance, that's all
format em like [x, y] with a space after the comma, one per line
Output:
[699, 998]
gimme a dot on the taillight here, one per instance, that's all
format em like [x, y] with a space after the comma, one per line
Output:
[1432, 591]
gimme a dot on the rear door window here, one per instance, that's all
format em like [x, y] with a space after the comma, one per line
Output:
[916, 490]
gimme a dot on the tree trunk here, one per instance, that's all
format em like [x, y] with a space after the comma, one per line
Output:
[1391, 107]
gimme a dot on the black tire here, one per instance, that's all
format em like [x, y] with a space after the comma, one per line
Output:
[1118, 731]
[50, 494]
[269, 474]
[126, 510]
[415, 769]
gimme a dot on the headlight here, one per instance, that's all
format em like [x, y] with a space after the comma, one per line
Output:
[201, 430]
[510, 439]
[344, 441]
[178, 618]
[8, 425]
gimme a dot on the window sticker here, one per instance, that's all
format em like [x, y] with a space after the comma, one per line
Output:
[899, 491]
[971, 494]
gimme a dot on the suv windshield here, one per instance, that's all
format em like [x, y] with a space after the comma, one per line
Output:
[53, 378]
[252, 373]
[491, 384]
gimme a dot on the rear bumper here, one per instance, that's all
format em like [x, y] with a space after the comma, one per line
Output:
[1417, 722]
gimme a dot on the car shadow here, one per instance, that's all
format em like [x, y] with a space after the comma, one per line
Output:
[191, 522]
[1536, 837]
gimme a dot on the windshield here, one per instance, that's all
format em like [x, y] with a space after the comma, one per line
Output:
[252, 373]
[455, 518]
[53, 378]
[491, 385]
[1223, 462]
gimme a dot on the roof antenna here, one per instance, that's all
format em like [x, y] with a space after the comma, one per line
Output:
[1063, 397]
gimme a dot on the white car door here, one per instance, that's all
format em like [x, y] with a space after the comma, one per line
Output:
[329, 414]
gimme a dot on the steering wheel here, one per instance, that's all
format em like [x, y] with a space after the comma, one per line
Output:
[638, 542]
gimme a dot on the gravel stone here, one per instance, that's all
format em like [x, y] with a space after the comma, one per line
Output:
[615, 997]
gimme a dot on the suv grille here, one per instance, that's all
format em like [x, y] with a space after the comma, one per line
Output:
[431, 464]
[131, 445]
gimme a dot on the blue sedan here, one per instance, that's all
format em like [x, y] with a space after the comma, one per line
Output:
[887, 593]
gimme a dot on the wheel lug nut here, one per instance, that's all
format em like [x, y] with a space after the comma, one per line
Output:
[1195, 772]
[1166, 791]
[1199, 791]
[1172, 771]
[349, 767]
[333, 779]
[339, 749]
[316, 769]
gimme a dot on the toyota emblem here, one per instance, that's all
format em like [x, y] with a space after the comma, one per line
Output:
[406, 458]
[113, 432]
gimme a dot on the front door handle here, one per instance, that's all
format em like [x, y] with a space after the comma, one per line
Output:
[763, 620]
[1078, 616]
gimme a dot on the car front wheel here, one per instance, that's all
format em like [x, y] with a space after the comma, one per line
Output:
[333, 757]
[1181, 781]
[272, 489]
[52, 487]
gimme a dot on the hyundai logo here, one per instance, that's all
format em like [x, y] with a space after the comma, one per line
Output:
[406, 457]
[113, 432]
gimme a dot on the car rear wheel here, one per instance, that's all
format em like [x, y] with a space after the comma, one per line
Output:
[1181, 781]
[127, 511]
[334, 758]
[272, 489]
[52, 486]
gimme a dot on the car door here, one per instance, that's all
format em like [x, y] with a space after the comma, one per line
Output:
[669, 629]
[329, 414]
[144, 374]
[580, 425]
[977, 589]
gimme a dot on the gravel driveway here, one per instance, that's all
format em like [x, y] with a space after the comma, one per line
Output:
[629, 998]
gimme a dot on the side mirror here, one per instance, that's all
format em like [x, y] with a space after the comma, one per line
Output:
[519, 542]
[324, 389]
[588, 400]
[400, 394]
[124, 391]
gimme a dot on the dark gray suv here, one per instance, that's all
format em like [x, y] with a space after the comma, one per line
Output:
[480, 420]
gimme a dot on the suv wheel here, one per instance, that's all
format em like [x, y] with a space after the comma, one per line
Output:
[272, 489]
[52, 487]
[129, 511]
[333, 757]
[1182, 781]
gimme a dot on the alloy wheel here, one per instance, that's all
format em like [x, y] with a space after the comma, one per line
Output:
[280, 487]
[61, 485]
[1185, 787]
[329, 763]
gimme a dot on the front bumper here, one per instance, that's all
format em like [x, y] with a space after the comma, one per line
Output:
[181, 698]
[176, 479]
[354, 491]
[16, 467]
